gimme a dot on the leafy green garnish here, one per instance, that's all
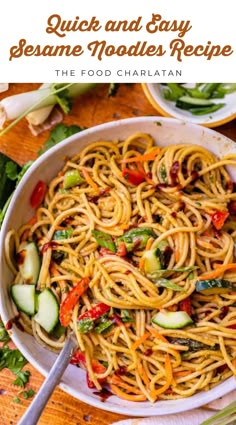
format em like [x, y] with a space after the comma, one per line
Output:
[28, 394]
[63, 98]
[22, 378]
[136, 238]
[59, 133]
[11, 359]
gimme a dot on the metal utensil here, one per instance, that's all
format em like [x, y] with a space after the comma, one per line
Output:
[37, 406]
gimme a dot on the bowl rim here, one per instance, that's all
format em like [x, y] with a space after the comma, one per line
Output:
[170, 406]
[163, 112]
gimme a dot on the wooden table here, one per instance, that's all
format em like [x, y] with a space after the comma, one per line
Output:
[19, 144]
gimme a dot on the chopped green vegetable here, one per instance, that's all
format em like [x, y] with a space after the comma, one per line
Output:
[214, 286]
[163, 173]
[162, 272]
[72, 178]
[165, 283]
[126, 317]
[104, 240]
[103, 326]
[136, 238]
[62, 234]
[57, 254]
[85, 325]
[173, 91]
[198, 99]
[193, 345]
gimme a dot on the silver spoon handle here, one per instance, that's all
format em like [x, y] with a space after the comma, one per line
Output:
[34, 411]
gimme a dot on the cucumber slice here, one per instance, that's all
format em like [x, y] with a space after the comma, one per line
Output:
[188, 102]
[24, 298]
[29, 262]
[213, 286]
[48, 310]
[151, 262]
[172, 319]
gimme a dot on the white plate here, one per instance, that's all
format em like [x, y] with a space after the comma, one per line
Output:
[165, 131]
[167, 108]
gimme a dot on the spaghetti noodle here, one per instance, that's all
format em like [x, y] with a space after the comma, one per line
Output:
[178, 205]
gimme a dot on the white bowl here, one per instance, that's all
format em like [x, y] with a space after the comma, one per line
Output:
[165, 131]
[227, 113]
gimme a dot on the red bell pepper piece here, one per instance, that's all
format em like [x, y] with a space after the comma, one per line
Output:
[95, 312]
[232, 326]
[78, 358]
[38, 194]
[218, 218]
[133, 176]
[71, 300]
[185, 305]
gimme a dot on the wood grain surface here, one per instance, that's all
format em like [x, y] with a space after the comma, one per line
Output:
[19, 144]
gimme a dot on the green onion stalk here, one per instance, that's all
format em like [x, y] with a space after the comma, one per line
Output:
[14, 108]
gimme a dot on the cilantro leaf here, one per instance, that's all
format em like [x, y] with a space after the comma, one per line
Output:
[22, 378]
[59, 133]
[28, 394]
[23, 171]
[11, 169]
[63, 98]
[11, 359]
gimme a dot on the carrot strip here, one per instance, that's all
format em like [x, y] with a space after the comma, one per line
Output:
[139, 341]
[140, 158]
[143, 374]
[89, 179]
[169, 377]
[32, 220]
[142, 171]
[182, 373]
[125, 396]
[141, 263]
[177, 252]
[215, 273]
[157, 335]
[115, 380]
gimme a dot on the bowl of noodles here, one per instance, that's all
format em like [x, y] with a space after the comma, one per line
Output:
[125, 233]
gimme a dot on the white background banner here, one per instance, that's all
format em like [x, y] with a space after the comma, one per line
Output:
[123, 41]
